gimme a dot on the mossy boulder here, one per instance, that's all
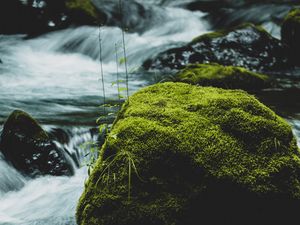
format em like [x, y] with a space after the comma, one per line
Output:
[29, 148]
[246, 46]
[290, 33]
[222, 76]
[181, 154]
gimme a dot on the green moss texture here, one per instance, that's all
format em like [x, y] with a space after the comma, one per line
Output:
[222, 76]
[85, 7]
[180, 154]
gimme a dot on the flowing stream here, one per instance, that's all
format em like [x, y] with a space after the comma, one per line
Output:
[56, 78]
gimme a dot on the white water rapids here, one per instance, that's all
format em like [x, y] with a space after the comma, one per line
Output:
[55, 78]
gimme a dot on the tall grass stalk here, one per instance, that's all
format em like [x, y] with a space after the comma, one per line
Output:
[124, 46]
[101, 68]
[129, 179]
[118, 78]
[129, 164]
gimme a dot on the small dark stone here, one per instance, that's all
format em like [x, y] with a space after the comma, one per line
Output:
[30, 150]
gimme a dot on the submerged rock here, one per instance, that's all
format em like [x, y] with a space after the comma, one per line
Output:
[29, 149]
[181, 154]
[246, 46]
[290, 34]
[222, 76]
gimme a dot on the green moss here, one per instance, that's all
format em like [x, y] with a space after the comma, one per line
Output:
[293, 15]
[85, 6]
[222, 76]
[209, 36]
[189, 148]
[22, 123]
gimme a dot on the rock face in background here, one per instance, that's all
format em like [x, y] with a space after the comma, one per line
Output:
[180, 154]
[246, 46]
[134, 17]
[37, 17]
[28, 147]
[290, 34]
[228, 77]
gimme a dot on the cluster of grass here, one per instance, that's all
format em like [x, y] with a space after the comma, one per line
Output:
[103, 126]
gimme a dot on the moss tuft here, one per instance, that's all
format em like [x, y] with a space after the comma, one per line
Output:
[222, 76]
[209, 36]
[179, 153]
[294, 15]
[85, 6]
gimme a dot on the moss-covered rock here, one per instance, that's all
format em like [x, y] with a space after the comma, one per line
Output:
[246, 46]
[29, 148]
[222, 76]
[180, 154]
[290, 33]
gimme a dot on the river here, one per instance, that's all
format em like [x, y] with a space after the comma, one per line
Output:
[56, 78]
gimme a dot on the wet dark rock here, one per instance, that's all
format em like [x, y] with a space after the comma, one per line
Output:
[290, 34]
[246, 46]
[29, 148]
[207, 6]
[31, 17]
[60, 135]
[37, 17]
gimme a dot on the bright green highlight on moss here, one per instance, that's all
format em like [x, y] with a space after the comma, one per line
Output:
[222, 76]
[293, 15]
[183, 141]
[83, 5]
